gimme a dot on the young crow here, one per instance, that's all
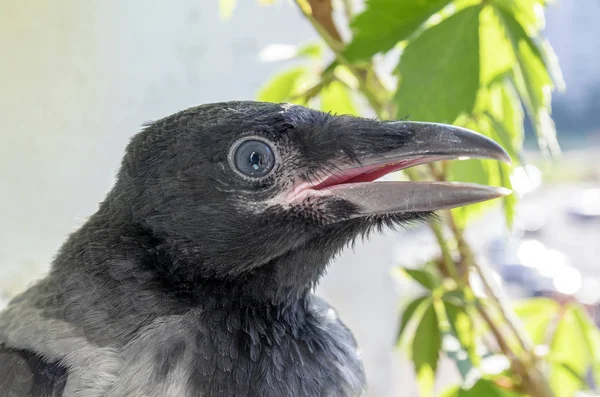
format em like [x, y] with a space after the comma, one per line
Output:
[194, 277]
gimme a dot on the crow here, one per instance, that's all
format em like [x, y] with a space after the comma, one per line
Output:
[195, 276]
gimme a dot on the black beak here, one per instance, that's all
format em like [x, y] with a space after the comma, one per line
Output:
[426, 142]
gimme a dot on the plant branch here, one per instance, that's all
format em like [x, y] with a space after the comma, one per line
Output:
[348, 9]
[330, 35]
[487, 280]
[322, 11]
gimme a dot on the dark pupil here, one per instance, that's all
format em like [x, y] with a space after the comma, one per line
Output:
[254, 158]
[256, 161]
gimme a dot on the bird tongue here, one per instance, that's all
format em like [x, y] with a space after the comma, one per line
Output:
[368, 173]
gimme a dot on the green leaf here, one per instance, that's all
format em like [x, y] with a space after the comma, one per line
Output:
[536, 315]
[568, 370]
[533, 81]
[463, 333]
[527, 12]
[570, 347]
[439, 70]
[424, 277]
[594, 340]
[483, 172]
[456, 297]
[506, 117]
[483, 388]
[501, 109]
[226, 8]
[384, 23]
[337, 99]
[461, 324]
[452, 391]
[425, 350]
[284, 85]
[496, 53]
[311, 50]
[408, 313]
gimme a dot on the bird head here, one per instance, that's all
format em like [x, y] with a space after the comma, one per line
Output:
[269, 193]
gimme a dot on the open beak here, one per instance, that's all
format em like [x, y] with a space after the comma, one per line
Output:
[428, 142]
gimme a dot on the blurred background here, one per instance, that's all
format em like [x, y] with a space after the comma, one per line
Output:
[79, 78]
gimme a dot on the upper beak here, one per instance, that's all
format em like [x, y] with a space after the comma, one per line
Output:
[426, 142]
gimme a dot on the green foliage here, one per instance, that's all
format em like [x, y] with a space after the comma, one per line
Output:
[479, 64]
[439, 70]
[336, 98]
[286, 86]
[386, 23]
[537, 315]
[571, 351]
[425, 349]
[461, 324]
[311, 51]
[483, 388]
[533, 79]
[425, 277]
[410, 310]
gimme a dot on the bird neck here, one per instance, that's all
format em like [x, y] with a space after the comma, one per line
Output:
[128, 257]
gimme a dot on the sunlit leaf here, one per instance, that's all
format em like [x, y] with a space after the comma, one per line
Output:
[311, 50]
[425, 350]
[459, 342]
[439, 70]
[533, 81]
[503, 116]
[408, 313]
[498, 115]
[536, 315]
[506, 117]
[284, 86]
[496, 53]
[461, 324]
[483, 388]
[424, 277]
[452, 391]
[387, 22]
[566, 369]
[226, 8]
[483, 172]
[456, 297]
[529, 13]
[594, 340]
[337, 99]
[569, 346]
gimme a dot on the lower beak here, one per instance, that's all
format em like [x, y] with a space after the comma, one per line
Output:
[427, 142]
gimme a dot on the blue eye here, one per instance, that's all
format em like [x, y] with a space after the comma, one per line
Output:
[254, 158]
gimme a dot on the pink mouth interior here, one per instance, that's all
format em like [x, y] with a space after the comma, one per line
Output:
[364, 174]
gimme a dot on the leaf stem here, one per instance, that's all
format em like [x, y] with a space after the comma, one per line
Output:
[490, 288]
[348, 9]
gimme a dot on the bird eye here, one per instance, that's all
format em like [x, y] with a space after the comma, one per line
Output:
[254, 158]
